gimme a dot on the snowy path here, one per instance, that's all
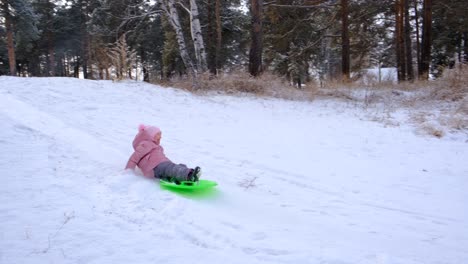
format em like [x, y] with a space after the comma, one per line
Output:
[328, 186]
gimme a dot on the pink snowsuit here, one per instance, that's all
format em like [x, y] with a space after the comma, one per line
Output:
[147, 153]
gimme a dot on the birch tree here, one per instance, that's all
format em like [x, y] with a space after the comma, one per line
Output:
[197, 37]
[173, 16]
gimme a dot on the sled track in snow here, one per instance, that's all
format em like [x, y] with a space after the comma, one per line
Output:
[37, 120]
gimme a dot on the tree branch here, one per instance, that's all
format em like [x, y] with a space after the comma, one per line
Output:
[184, 7]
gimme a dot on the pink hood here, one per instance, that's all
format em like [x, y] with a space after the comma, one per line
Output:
[147, 154]
[145, 133]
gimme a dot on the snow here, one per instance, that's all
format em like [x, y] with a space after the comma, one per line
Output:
[376, 75]
[299, 182]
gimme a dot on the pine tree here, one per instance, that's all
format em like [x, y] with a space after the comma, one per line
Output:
[299, 36]
[227, 40]
[256, 35]
[150, 44]
[67, 53]
[408, 42]
[345, 56]
[450, 43]
[7, 14]
[4, 67]
[85, 38]
[211, 38]
[219, 34]
[171, 60]
[45, 45]
[21, 29]
[426, 40]
[400, 39]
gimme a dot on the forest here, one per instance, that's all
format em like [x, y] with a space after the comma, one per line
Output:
[300, 41]
[325, 131]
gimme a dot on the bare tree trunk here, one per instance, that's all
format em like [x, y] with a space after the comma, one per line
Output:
[10, 40]
[465, 47]
[426, 40]
[90, 58]
[173, 17]
[51, 51]
[418, 45]
[76, 68]
[214, 31]
[326, 67]
[211, 41]
[400, 41]
[219, 36]
[408, 48]
[33, 68]
[50, 39]
[345, 61]
[144, 66]
[197, 37]
[256, 46]
[65, 66]
[84, 38]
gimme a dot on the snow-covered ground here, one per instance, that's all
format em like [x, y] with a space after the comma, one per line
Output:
[376, 75]
[299, 182]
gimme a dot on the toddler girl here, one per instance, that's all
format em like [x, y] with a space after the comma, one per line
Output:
[149, 157]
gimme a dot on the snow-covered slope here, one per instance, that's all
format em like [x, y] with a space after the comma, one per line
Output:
[299, 182]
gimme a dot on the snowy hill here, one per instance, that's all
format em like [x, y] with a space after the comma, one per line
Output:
[299, 182]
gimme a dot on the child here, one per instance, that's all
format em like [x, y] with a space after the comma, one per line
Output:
[149, 157]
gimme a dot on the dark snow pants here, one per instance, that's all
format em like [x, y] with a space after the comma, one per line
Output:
[168, 170]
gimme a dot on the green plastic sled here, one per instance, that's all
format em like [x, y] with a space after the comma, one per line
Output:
[188, 185]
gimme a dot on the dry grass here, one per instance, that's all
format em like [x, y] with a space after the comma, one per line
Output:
[240, 82]
[433, 107]
[430, 130]
[425, 125]
[453, 86]
[448, 95]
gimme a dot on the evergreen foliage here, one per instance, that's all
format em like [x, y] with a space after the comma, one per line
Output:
[450, 27]
[302, 39]
[4, 69]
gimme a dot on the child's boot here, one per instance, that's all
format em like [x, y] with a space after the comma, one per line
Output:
[195, 174]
